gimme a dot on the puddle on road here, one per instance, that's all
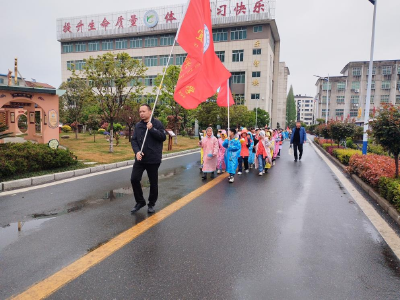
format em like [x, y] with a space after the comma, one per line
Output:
[12, 232]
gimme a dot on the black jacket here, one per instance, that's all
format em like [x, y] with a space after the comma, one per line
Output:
[154, 142]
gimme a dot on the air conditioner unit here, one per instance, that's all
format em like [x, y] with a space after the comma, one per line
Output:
[357, 90]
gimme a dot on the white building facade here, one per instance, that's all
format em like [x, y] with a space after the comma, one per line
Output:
[305, 109]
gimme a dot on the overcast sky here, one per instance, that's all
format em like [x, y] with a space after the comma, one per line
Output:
[317, 36]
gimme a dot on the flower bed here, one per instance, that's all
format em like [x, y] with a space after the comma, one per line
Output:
[389, 188]
[344, 155]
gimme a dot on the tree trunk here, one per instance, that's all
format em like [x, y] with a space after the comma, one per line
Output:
[130, 132]
[76, 132]
[94, 136]
[396, 161]
[111, 137]
[176, 135]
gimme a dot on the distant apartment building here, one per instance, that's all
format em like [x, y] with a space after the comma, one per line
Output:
[347, 93]
[245, 35]
[305, 108]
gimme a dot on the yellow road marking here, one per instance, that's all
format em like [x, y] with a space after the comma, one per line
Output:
[56, 281]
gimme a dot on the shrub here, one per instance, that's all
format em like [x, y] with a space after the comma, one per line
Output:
[376, 149]
[331, 148]
[389, 189]
[324, 141]
[28, 157]
[350, 143]
[371, 167]
[183, 133]
[101, 130]
[344, 155]
[66, 128]
[116, 127]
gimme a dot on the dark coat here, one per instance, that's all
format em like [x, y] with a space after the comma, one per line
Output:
[303, 135]
[154, 142]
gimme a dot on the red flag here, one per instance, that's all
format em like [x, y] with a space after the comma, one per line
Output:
[223, 95]
[202, 72]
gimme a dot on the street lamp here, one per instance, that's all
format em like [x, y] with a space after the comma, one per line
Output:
[368, 100]
[327, 96]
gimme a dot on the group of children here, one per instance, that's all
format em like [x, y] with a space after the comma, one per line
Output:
[230, 151]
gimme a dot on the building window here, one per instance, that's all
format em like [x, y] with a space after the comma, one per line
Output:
[339, 99]
[324, 112]
[220, 35]
[384, 98]
[151, 41]
[339, 112]
[357, 71]
[386, 85]
[94, 46]
[323, 100]
[107, 45]
[355, 85]
[150, 61]
[121, 44]
[239, 33]
[257, 28]
[255, 96]
[164, 60]
[256, 74]
[149, 80]
[1, 81]
[387, 70]
[239, 99]
[398, 85]
[136, 43]
[373, 71]
[79, 65]
[67, 48]
[237, 55]
[372, 85]
[221, 55]
[80, 47]
[238, 77]
[139, 58]
[167, 40]
[70, 65]
[341, 86]
[397, 99]
[179, 59]
[256, 51]
[371, 100]
[325, 85]
[353, 112]
[354, 99]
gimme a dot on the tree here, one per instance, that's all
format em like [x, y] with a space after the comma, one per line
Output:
[340, 131]
[386, 131]
[115, 80]
[130, 116]
[291, 116]
[171, 108]
[262, 117]
[3, 128]
[93, 122]
[77, 93]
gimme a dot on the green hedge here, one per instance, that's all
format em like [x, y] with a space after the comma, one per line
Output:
[343, 155]
[29, 157]
[389, 189]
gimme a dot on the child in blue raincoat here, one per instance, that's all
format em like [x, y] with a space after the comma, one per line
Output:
[252, 154]
[232, 153]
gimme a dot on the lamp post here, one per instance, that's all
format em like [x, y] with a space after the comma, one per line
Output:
[368, 100]
[327, 96]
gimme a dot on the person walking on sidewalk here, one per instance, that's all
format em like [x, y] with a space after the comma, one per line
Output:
[210, 147]
[233, 147]
[245, 141]
[149, 159]
[221, 167]
[263, 152]
[298, 138]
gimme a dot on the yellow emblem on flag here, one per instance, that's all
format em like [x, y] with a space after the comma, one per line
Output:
[201, 35]
[187, 63]
[189, 89]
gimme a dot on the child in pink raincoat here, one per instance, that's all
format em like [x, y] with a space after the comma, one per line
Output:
[221, 167]
[210, 147]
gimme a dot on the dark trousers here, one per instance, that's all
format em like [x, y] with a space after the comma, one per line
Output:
[300, 146]
[136, 177]
[246, 163]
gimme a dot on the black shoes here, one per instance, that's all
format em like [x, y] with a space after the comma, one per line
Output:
[137, 207]
[295, 160]
[151, 210]
[300, 158]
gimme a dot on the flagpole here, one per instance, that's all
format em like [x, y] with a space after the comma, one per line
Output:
[165, 71]
[227, 96]
[158, 93]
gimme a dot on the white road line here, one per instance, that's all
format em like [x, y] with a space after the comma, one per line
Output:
[13, 192]
[387, 233]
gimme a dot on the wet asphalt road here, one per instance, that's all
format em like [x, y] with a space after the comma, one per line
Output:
[292, 234]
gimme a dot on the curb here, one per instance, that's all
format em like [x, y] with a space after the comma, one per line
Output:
[27, 182]
[389, 208]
